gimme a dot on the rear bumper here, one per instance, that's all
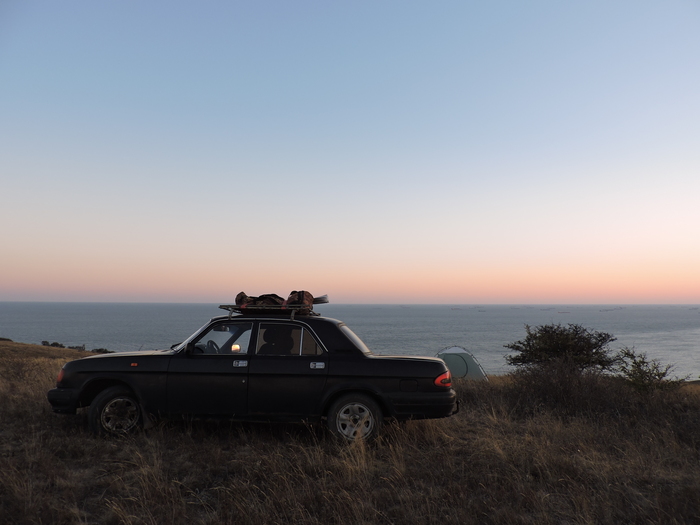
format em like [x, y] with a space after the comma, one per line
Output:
[63, 400]
[424, 405]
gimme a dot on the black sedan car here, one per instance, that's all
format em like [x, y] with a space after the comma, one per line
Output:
[258, 366]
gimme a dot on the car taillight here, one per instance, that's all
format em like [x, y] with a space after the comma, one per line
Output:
[444, 379]
[60, 376]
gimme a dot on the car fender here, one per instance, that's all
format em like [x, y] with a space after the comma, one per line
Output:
[94, 385]
[340, 389]
[151, 394]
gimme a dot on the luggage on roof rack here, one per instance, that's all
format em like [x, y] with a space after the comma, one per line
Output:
[300, 302]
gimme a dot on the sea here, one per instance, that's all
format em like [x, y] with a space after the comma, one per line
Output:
[667, 333]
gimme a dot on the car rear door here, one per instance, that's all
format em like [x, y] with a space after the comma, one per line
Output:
[287, 372]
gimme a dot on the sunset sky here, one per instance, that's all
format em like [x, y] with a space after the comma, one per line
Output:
[377, 151]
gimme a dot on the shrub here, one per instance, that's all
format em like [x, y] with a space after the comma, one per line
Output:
[54, 344]
[573, 346]
[565, 391]
[644, 374]
[571, 370]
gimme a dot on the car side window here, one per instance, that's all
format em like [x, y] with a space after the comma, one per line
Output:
[281, 339]
[309, 346]
[226, 339]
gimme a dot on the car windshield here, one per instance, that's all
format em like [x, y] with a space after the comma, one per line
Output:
[182, 345]
[359, 343]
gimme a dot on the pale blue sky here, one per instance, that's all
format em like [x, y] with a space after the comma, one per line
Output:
[382, 151]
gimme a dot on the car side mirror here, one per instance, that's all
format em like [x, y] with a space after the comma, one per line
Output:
[189, 349]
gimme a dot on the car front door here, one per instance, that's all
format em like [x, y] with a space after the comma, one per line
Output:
[287, 373]
[211, 376]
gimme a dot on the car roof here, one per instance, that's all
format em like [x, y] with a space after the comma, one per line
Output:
[310, 319]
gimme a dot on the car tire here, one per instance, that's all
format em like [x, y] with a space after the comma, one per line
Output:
[114, 412]
[355, 416]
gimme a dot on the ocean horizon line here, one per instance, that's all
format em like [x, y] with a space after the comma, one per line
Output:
[475, 304]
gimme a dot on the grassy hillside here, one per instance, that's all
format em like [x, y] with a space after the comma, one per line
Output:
[608, 455]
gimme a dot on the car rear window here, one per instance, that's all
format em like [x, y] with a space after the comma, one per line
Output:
[359, 343]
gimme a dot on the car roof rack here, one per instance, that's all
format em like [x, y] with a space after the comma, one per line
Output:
[292, 309]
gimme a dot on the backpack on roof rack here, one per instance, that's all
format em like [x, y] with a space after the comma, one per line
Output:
[268, 299]
[302, 299]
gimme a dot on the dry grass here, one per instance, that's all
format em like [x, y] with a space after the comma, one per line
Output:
[509, 456]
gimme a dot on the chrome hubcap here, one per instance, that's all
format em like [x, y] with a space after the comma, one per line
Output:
[355, 420]
[120, 415]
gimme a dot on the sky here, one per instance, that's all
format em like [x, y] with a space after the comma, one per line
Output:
[455, 152]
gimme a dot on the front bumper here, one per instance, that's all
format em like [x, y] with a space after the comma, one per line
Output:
[63, 400]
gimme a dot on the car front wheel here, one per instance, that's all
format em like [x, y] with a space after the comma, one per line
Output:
[115, 411]
[355, 416]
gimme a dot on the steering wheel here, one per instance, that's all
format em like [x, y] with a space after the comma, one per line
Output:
[212, 347]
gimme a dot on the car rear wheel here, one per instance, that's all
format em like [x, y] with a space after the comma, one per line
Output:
[115, 411]
[355, 416]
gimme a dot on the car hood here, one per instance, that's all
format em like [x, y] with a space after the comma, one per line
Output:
[140, 353]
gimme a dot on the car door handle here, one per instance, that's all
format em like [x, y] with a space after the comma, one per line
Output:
[317, 365]
[240, 364]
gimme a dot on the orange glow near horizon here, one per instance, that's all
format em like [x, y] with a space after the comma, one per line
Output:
[449, 285]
